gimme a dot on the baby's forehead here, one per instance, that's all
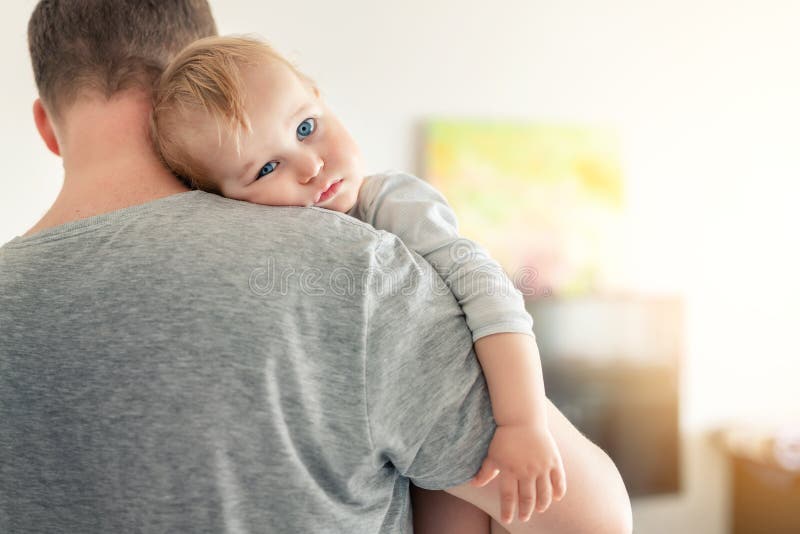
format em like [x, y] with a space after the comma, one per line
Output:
[279, 69]
[264, 83]
[275, 75]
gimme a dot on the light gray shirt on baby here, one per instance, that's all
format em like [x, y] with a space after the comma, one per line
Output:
[416, 212]
[199, 364]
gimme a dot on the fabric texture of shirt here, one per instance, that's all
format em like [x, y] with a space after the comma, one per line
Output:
[416, 212]
[199, 364]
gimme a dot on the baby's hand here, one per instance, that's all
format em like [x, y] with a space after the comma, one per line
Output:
[530, 467]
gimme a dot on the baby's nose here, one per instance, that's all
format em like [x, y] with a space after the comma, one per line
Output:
[312, 169]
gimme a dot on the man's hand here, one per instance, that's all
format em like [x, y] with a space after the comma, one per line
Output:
[530, 468]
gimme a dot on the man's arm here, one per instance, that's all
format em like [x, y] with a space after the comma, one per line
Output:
[427, 403]
[429, 411]
[596, 501]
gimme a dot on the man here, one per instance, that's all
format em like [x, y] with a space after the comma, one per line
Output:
[172, 361]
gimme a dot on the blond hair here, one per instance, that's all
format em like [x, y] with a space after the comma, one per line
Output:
[206, 76]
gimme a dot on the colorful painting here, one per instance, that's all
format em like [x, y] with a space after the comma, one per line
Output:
[545, 200]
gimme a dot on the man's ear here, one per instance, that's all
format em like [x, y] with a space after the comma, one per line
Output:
[45, 127]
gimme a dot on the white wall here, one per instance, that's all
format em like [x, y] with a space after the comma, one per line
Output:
[704, 93]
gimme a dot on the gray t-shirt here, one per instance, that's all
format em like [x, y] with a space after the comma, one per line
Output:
[418, 214]
[200, 364]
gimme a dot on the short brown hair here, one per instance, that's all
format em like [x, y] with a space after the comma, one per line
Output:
[206, 76]
[107, 46]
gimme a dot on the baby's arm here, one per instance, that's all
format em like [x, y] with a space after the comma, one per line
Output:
[522, 451]
[417, 213]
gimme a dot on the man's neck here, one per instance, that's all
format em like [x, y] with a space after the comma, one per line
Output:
[109, 163]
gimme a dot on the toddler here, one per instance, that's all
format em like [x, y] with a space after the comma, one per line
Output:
[235, 118]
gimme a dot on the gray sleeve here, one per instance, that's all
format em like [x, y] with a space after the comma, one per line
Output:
[428, 405]
[417, 213]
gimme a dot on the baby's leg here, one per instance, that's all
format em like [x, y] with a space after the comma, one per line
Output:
[497, 528]
[596, 501]
[438, 512]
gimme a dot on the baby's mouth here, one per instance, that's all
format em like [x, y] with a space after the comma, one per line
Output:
[329, 191]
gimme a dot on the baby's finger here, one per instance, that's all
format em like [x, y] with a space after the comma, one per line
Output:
[559, 481]
[508, 498]
[486, 474]
[527, 498]
[544, 493]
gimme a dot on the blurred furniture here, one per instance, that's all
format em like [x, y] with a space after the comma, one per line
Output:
[611, 365]
[765, 480]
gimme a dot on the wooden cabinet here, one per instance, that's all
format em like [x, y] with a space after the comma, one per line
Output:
[612, 366]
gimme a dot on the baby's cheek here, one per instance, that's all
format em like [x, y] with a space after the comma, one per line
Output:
[356, 158]
[286, 194]
[346, 203]
[261, 193]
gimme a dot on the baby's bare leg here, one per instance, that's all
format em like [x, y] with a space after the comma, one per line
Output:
[596, 501]
[497, 528]
[437, 512]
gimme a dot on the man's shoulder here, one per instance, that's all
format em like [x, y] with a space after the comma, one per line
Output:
[211, 217]
[316, 221]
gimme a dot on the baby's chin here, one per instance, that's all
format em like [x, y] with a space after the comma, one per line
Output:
[343, 205]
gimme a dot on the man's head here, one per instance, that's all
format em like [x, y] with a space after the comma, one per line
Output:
[234, 117]
[103, 47]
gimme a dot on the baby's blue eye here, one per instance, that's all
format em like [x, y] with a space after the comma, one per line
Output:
[306, 128]
[266, 169]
